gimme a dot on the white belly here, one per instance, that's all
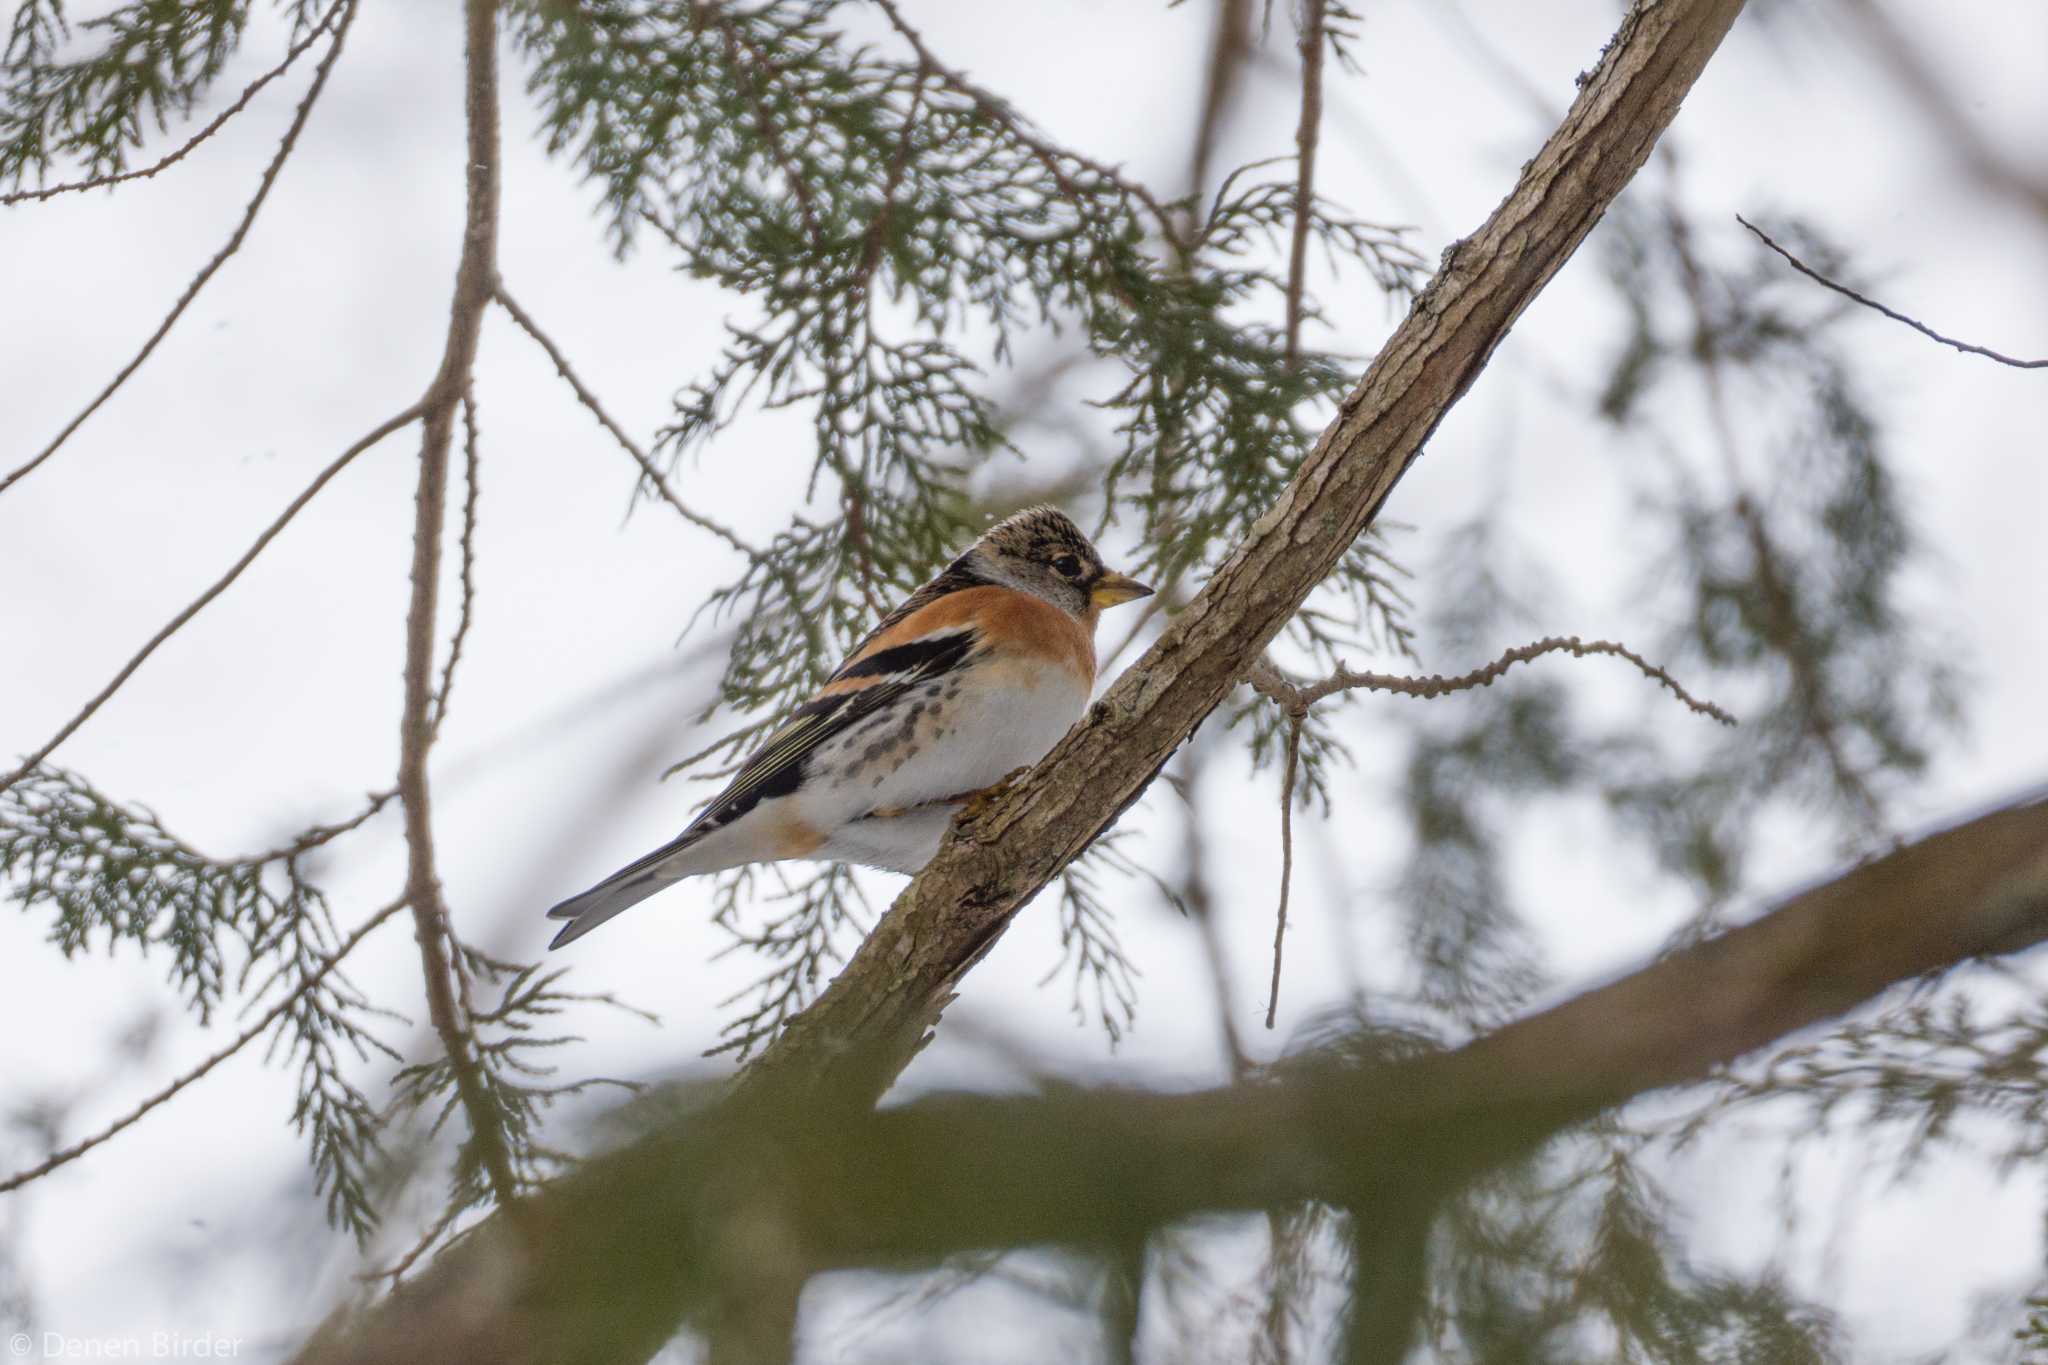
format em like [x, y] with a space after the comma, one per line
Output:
[949, 738]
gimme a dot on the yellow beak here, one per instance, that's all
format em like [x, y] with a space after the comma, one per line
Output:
[1113, 588]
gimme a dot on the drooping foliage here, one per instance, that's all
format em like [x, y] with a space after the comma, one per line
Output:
[897, 242]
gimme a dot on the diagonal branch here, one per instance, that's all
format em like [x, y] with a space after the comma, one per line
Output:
[648, 469]
[306, 985]
[627, 1245]
[206, 272]
[186, 147]
[1922, 328]
[390, 424]
[876, 1015]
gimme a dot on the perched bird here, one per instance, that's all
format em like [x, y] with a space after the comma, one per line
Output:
[978, 674]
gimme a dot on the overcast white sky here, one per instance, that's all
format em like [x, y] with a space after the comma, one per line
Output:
[277, 706]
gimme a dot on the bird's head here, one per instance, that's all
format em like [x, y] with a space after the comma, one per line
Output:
[1041, 551]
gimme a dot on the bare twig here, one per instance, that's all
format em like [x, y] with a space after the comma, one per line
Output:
[648, 471]
[390, 424]
[468, 553]
[240, 1041]
[1270, 682]
[1295, 716]
[207, 272]
[475, 277]
[1922, 328]
[396, 1272]
[313, 838]
[184, 149]
[1312, 44]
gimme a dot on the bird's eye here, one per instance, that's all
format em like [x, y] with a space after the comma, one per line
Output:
[1068, 565]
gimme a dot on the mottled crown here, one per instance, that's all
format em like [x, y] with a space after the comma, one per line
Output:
[1040, 534]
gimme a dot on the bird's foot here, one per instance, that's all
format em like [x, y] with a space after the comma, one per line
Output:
[979, 801]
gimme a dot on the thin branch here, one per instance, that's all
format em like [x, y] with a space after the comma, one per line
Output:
[1922, 328]
[240, 1041]
[648, 471]
[1270, 682]
[1049, 156]
[1295, 716]
[395, 1273]
[405, 417]
[468, 553]
[475, 275]
[1305, 135]
[633, 448]
[1230, 50]
[313, 838]
[234, 243]
[115, 178]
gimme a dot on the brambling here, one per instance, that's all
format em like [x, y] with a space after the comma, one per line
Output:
[977, 675]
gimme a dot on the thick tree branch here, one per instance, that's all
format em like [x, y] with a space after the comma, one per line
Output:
[878, 1011]
[630, 1243]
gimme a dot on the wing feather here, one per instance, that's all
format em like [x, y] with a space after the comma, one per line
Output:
[777, 767]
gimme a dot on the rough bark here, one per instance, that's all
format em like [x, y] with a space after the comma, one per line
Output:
[890, 995]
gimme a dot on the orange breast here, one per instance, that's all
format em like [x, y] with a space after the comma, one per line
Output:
[1015, 622]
